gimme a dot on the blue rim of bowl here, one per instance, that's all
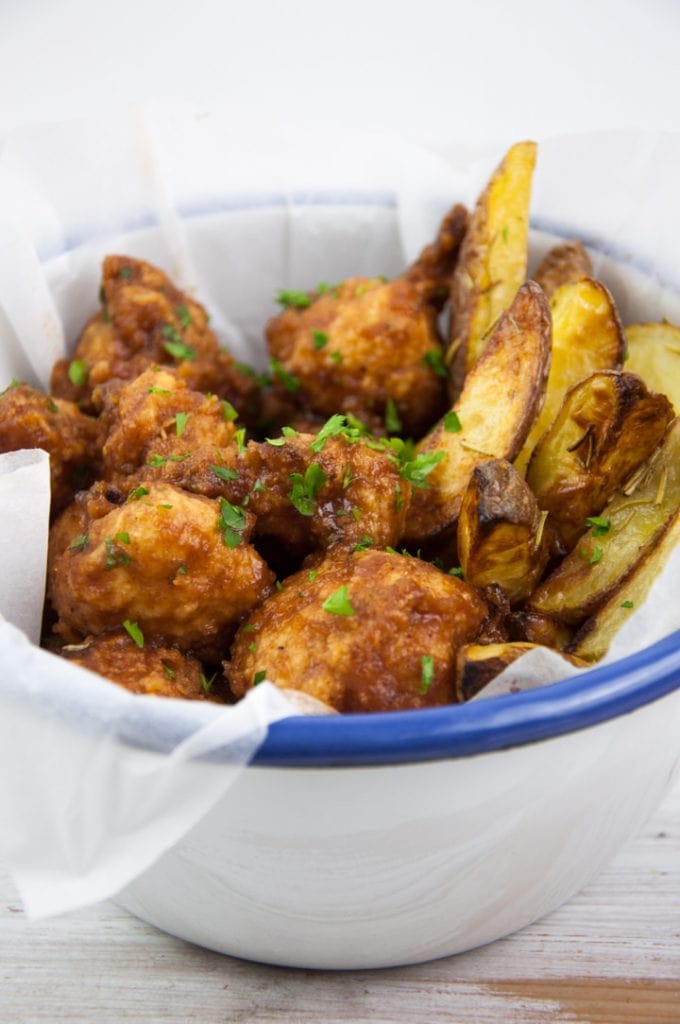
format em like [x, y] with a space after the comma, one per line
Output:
[479, 726]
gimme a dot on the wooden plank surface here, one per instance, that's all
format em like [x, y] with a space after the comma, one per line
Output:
[611, 956]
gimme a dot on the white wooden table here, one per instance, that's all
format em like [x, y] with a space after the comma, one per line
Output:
[611, 956]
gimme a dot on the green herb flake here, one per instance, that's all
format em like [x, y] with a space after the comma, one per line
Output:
[52, 406]
[240, 439]
[319, 339]
[364, 543]
[280, 586]
[398, 498]
[336, 356]
[392, 422]
[124, 538]
[435, 361]
[158, 391]
[339, 603]
[156, 460]
[181, 420]
[164, 506]
[183, 316]
[174, 345]
[259, 676]
[275, 442]
[305, 489]
[426, 672]
[229, 413]
[79, 542]
[628, 604]
[259, 486]
[125, 273]
[290, 432]
[169, 672]
[224, 474]
[252, 647]
[77, 372]
[232, 523]
[598, 525]
[289, 381]
[452, 424]
[139, 492]
[418, 469]
[331, 428]
[114, 556]
[356, 513]
[248, 628]
[133, 630]
[182, 569]
[206, 684]
[290, 297]
[592, 557]
[456, 571]
[312, 574]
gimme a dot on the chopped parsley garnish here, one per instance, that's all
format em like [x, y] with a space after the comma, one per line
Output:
[275, 442]
[125, 273]
[435, 361]
[156, 460]
[398, 498]
[139, 492]
[228, 411]
[288, 297]
[259, 486]
[452, 424]
[456, 571]
[312, 574]
[183, 316]
[289, 381]
[305, 489]
[248, 628]
[319, 339]
[336, 356]
[259, 676]
[392, 421]
[232, 523]
[169, 672]
[224, 474]
[52, 406]
[339, 603]
[598, 525]
[114, 556]
[164, 506]
[592, 557]
[181, 420]
[628, 604]
[252, 647]
[280, 586]
[79, 542]
[331, 428]
[206, 684]
[240, 439]
[124, 538]
[356, 513]
[418, 469]
[158, 391]
[290, 432]
[365, 542]
[174, 345]
[426, 672]
[347, 477]
[77, 372]
[13, 385]
[133, 630]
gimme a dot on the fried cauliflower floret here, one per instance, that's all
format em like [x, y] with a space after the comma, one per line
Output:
[362, 631]
[146, 320]
[153, 669]
[156, 421]
[371, 347]
[31, 419]
[179, 565]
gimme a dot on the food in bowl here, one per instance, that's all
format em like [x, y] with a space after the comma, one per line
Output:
[360, 520]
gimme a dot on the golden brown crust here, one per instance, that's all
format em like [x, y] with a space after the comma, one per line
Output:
[565, 263]
[404, 610]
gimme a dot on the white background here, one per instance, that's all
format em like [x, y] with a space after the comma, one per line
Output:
[435, 71]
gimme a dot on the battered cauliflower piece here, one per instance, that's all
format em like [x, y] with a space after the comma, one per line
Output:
[31, 419]
[371, 347]
[157, 424]
[362, 631]
[145, 319]
[178, 565]
[151, 669]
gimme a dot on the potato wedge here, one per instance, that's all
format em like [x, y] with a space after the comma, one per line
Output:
[500, 531]
[493, 259]
[595, 636]
[654, 354]
[630, 523]
[609, 424]
[587, 336]
[564, 264]
[493, 415]
[533, 627]
[478, 664]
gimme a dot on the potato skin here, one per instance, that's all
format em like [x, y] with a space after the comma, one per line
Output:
[165, 568]
[564, 264]
[404, 609]
[153, 670]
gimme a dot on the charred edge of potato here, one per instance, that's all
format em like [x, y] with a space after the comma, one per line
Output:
[478, 664]
[437, 260]
[493, 259]
[500, 531]
[654, 354]
[493, 415]
[595, 636]
[609, 424]
[565, 263]
[586, 336]
[629, 525]
[542, 630]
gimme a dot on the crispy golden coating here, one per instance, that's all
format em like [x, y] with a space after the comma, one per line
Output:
[177, 564]
[146, 320]
[368, 631]
[156, 421]
[366, 343]
[155, 670]
[31, 419]
[564, 264]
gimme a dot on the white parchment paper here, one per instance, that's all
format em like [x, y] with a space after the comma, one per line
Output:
[84, 808]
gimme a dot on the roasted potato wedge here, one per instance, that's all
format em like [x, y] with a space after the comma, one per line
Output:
[654, 354]
[493, 415]
[493, 259]
[478, 664]
[609, 424]
[564, 264]
[500, 531]
[595, 636]
[587, 336]
[533, 627]
[630, 523]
